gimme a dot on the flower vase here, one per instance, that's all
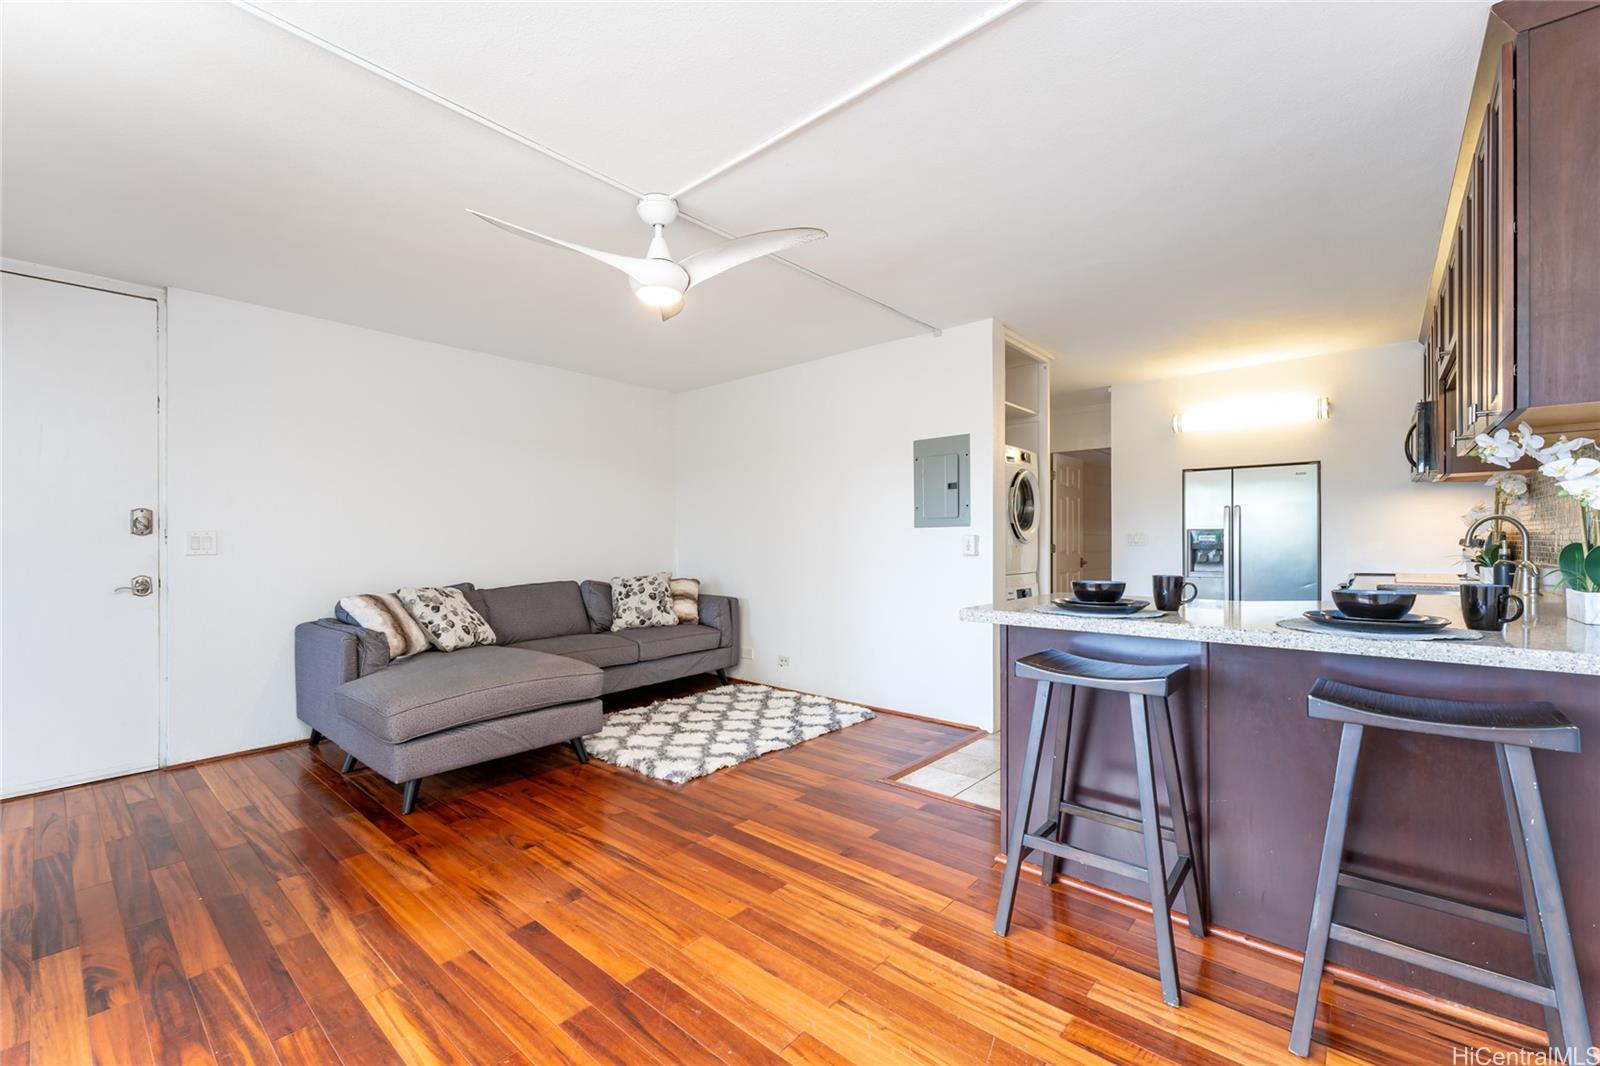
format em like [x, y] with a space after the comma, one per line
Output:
[1583, 607]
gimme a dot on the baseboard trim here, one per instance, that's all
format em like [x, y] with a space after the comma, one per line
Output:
[154, 770]
[1448, 1008]
[236, 754]
[61, 784]
[868, 706]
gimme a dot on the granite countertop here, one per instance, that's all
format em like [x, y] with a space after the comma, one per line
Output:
[1554, 643]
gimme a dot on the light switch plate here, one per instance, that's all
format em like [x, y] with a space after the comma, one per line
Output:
[970, 546]
[200, 542]
[1137, 540]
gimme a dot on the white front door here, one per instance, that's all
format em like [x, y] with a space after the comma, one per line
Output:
[1067, 522]
[80, 659]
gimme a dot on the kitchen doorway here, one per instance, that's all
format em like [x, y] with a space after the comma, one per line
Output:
[1081, 500]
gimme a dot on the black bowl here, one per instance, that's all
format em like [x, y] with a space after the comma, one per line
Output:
[1379, 604]
[1099, 591]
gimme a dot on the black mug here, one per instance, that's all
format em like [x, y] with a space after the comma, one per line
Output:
[1168, 591]
[1486, 607]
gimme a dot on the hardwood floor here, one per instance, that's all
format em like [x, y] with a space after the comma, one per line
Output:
[795, 908]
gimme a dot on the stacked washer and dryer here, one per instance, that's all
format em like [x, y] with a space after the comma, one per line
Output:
[1022, 522]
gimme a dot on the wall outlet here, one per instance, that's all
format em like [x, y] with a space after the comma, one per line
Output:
[747, 655]
[783, 661]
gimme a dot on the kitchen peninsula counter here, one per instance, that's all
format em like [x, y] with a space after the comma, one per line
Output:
[1553, 643]
[1258, 773]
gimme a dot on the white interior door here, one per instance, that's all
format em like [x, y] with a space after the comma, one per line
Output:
[1067, 521]
[80, 660]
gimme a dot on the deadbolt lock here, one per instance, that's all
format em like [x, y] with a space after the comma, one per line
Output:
[141, 521]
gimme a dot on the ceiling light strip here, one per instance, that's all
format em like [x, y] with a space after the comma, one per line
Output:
[543, 149]
[904, 67]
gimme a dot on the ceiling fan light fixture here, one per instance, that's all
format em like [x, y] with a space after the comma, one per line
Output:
[658, 295]
[657, 279]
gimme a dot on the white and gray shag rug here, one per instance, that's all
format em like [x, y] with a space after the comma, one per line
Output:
[680, 739]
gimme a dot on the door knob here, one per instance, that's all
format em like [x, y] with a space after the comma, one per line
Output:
[139, 586]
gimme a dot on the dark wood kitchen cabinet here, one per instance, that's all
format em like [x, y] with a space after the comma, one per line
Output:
[1511, 329]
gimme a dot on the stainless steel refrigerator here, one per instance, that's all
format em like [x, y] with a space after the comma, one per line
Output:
[1254, 532]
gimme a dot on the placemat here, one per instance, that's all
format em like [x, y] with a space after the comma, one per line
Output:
[1306, 625]
[1050, 608]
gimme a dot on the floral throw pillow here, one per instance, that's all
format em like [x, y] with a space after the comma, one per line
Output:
[446, 617]
[637, 602]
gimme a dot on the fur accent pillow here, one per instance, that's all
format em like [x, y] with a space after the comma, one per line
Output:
[383, 612]
[637, 602]
[685, 600]
[446, 617]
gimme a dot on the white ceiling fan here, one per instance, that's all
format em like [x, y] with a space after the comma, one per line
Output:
[657, 279]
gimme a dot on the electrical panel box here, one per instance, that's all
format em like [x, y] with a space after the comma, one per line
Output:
[942, 474]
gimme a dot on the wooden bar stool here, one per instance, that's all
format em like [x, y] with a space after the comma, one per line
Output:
[1514, 730]
[1142, 683]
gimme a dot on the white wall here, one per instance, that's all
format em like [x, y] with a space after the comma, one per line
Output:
[795, 494]
[334, 460]
[1373, 516]
[1074, 427]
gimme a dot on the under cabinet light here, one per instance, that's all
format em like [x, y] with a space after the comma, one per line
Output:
[1251, 412]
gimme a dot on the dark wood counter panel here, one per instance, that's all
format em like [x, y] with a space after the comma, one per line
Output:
[1258, 774]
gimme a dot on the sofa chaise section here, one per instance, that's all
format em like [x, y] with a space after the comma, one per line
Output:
[433, 692]
[435, 711]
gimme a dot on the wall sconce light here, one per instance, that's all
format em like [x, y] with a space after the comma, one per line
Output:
[1251, 412]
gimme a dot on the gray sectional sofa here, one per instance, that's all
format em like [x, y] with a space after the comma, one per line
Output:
[540, 684]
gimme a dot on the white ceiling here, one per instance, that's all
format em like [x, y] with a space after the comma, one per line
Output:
[1142, 189]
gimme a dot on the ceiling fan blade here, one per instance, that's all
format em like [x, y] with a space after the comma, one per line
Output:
[629, 265]
[703, 266]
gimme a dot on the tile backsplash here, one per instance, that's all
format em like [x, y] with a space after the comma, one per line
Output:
[1552, 520]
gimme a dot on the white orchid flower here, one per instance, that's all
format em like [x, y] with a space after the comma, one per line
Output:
[1479, 510]
[1530, 441]
[1564, 447]
[1509, 484]
[1499, 449]
[1586, 488]
[1565, 467]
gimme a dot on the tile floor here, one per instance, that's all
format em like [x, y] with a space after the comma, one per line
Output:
[971, 773]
